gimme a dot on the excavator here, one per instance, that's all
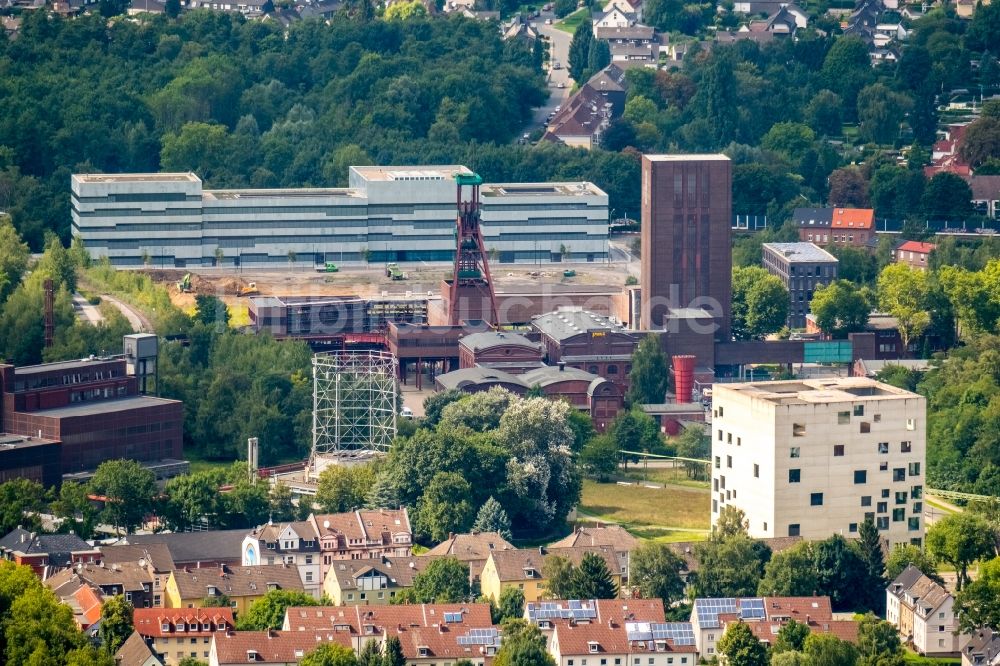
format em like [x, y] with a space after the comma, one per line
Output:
[247, 289]
[184, 286]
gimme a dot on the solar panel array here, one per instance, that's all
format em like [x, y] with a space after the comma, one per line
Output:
[681, 633]
[488, 636]
[752, 609]
[708, 611]
[573, 610]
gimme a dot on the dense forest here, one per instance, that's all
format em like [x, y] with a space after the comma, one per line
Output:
[255, 104]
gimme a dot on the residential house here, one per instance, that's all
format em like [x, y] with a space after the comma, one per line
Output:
[287, 543]
[188, 588]
[520, 27]
[428, 633]
[146, 7]
[134, 580]
[945, 155]
[914, 254]
[923, 612]
[546, 615]
[267, 648]
[852, 226]
[964, 9]
[584, 117]
[362, 534]
[523, 569]
[371, 582]
[156, 555]
[176, 633]
[46, 553]
[814, 224]
[135, 652]
[633, 44]
[614, 17]
[633, 7]
[986, 195]
[196, 549]
[887, 33]
[472, 548]
[85, 600]
[983, 649]
[709, 618]
[612, 536]
[615, 643]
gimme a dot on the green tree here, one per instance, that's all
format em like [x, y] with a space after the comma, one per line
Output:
[903, 293]
[192, 497]
[446, 506]
[172, 8]
[268, 612]
[981, 141]
[128, 489]
[558, 574]
[75, 508]
[510, 606]
[635, 430]
[342, 488]
[903, 556]
[648, 377]
[869, 546]
[729, 566]
[946, 197]
[760, 303]
[13, 257]
[593, 580]
[846, 70]
[19, 498]
[371, 654]
[841, 307]
[823, 113]
[579, 50]
[878, 643]
[392, 654]
[443, 581]
[492, 518]
[848, 188]
[330, 654]
[216, 601]
[880, 113]
[656, 570]
[600, 457]
[191, 661]
[839, 568]
[37, 628]
[791, 637]
[978, 603]
[741, 647]
[435, 403]
[404, 11]
[960, 539]
[790, 573]
[582, 426]
[789, 658]
[116, 622]
[828, 650]
[696, 445]
[211, 311]
[523, 645]
[793, 140]
[598, 57]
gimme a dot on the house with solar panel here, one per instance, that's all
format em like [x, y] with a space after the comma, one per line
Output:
[765, 616]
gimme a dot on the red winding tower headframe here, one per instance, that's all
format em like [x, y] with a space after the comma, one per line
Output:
[471, 284]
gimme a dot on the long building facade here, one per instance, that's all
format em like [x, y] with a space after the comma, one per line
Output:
[386, 214]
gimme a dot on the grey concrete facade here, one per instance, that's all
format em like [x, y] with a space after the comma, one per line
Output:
[387, 214]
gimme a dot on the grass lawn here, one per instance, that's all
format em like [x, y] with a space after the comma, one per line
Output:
[208, 465]
[673, 476]
[571, 22]
[672, 513]
[914, 659]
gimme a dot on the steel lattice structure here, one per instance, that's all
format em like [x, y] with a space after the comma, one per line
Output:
[354, 403]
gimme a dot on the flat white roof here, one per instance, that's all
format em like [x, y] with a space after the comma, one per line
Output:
[698, 157]
[387, 173]
[571, 189]
[800, 252]
[805, 391]
[136, 177]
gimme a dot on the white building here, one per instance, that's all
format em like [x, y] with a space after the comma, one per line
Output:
[923, 612]
[387, 214]
[287, 543]
[813, 458]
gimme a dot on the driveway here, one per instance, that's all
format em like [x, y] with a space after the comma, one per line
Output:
[558, 52]
[85, 311]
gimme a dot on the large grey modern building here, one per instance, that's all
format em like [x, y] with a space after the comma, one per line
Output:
[802, 268]
[393, 214]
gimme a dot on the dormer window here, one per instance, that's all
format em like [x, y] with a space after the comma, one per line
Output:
[213, 591]
[181, 626]
[252, 655]
[423, 651]
[593, 646]
[529, 573]
[272, 586]
[165, 627]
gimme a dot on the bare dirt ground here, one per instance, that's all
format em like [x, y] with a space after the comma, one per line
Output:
[368, 281]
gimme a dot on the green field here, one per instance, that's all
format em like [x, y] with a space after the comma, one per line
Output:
[671, 513]
[571, 22]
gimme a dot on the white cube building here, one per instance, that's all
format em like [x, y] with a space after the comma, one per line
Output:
[814, 458]
[387, 214]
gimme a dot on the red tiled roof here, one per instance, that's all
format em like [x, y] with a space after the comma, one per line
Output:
[853, 218]
[149, 621]
[916, 246]
[90, 602]
[799, 608]
[271, 646]
[580, 639]
[320, 618]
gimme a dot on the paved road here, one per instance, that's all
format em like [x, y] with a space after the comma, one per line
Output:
[139, 322]
[620, 252]
[558, 52]
[87, 312]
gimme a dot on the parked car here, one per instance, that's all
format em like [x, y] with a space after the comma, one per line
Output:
[556, 65]
[561, 85]
[406, 413]
[548, 21]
